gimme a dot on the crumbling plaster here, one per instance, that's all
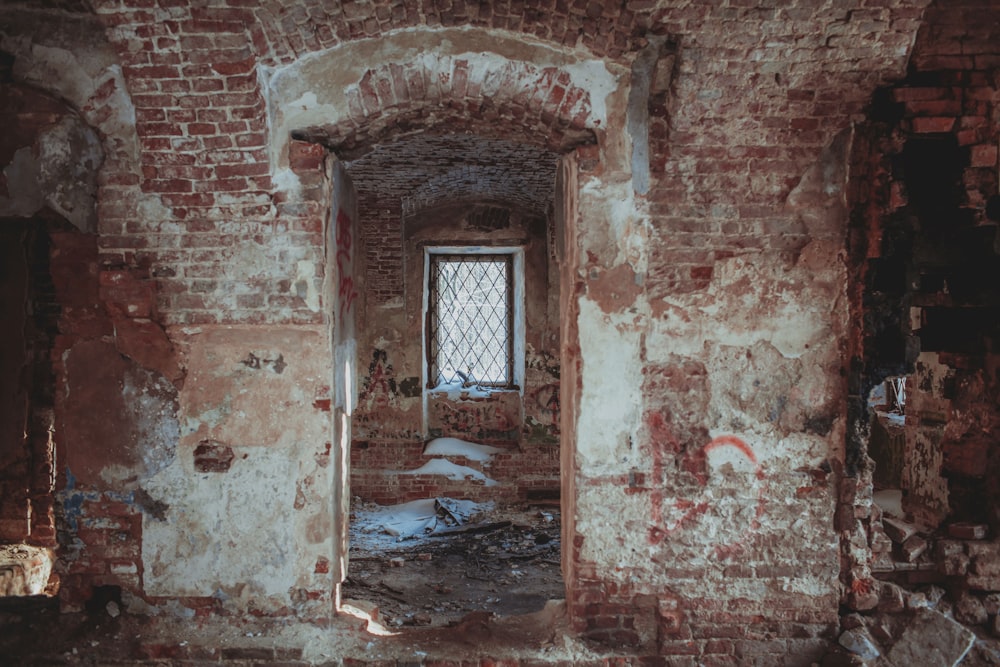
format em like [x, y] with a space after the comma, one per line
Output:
[59, 170]
[314, 90]
[70, 57]
[724, 465]
[250, 535]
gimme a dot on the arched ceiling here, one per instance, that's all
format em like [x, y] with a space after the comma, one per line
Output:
[425, 171]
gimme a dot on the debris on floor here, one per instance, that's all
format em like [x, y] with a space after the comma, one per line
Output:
[919, 627]
[432, 562]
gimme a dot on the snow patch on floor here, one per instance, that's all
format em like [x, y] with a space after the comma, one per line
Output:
[459, 389]
[374, 526]
[450, 470]
[456, 447]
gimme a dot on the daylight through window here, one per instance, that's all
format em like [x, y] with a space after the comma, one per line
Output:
[470, 320]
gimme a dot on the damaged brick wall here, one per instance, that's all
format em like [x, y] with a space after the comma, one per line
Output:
[924, 244]
[705, 352]
[737, 364]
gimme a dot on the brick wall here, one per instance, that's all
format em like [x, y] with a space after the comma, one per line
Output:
[711, 307]
[924, 247]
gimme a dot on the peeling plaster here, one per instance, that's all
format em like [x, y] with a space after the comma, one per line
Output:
[60, 171]
[312, 90]
[627, 228]
[70, 58]
[249, 533]
[611, 383]
[753, 299]
[223, 530]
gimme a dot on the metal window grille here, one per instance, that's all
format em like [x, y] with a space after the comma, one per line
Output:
[470, 320]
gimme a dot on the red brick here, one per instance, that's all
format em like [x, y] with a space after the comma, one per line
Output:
[201, 128]
[932, 124]
[984, 155]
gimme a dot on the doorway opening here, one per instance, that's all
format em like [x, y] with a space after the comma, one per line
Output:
[455, 462]
[30, 313]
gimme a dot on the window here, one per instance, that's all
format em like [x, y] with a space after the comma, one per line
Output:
[471, 318]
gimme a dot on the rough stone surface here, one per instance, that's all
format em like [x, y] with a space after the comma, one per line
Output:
[931, 638]
[970, 610]
[860, 643]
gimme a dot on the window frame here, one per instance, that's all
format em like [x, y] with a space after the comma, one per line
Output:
[515, 281]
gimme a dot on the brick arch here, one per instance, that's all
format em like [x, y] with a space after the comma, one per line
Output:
[85, 77]
[448, 94]
[282, 32]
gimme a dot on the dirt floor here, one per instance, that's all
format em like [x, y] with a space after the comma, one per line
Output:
[499, 561]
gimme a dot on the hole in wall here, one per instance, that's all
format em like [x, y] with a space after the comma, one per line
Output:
[887, 442]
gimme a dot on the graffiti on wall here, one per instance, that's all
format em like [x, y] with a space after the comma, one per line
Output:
[477, 420]
[378, 389]
[346, 291]
[735, 517]
[546, 400]
[542, 404]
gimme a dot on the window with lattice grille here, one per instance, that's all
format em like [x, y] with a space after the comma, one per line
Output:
[470, 329]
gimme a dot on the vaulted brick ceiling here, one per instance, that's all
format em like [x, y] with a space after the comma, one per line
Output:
[424, 171]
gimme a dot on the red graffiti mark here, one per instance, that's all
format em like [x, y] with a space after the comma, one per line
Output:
[380, 386]
[473, 420]
[685, 511]
[344, 241]
[547, 398]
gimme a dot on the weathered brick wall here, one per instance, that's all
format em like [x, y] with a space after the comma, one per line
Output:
[738, 366]
[924, 248]
[199, 205]
[709, 301]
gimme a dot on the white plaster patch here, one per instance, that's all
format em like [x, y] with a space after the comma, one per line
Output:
[156, 422]
[75, 75]
[611, 397]
[286, 180]
[752, 300]
[223, 531]
[151, 209]
[628, 226]
[70, 156]
[594, 77]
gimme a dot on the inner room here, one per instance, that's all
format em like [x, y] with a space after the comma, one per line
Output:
[455, 444]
